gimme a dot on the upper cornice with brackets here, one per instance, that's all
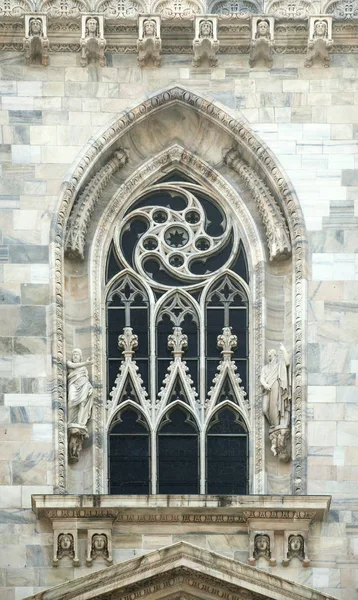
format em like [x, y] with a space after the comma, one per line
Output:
[291, 28]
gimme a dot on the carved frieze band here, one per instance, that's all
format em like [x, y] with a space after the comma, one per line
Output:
[85, 204]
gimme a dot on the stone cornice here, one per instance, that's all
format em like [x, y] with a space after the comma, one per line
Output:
[201, 510]
[234, 34]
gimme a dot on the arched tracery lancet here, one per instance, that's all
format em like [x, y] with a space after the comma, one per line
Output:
[263, 217]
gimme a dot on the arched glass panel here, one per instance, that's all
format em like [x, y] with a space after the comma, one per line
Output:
[127, 306]
[178, 454]
[227, 453]
[177, 311]
[129, 453]
[227, 306]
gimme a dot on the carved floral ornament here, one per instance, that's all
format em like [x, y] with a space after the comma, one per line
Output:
[243, 140]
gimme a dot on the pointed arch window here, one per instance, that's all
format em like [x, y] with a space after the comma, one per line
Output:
[177, 342]
[129, 445]
[178, 453]
[227, 453]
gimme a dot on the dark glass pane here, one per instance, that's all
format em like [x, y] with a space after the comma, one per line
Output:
[226, 421]
[115, 320]
[237, 318]
[227, 468]
[211, 368]
[199, 267]
[130, 238]
[240, 265]
[156, 270]
[178, 464]
[242, 366]
[130, 422]
[113, 265]
[162, 369]
[177, 422]
[113, 368]
[163, 198]
[164, 329]
[143, 366]
[129, 464]
[129, 455]
[214, 217]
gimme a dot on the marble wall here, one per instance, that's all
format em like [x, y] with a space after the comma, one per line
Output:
[309, 119]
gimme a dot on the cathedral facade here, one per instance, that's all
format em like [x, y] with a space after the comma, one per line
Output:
[179, 263]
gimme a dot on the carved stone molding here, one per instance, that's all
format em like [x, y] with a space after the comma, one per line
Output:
[85, 205]
[277, 232]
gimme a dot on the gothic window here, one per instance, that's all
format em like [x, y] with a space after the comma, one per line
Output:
[226, 453]
[129, 445]
[177, 344]
[178, 454]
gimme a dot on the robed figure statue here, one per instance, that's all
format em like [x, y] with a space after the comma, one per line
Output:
[79, 402]
[276, 402]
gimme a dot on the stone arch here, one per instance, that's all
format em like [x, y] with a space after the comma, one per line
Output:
[236, 136]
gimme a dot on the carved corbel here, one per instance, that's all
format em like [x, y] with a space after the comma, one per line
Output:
[295, 546]
[92, 40]
[36, 44]
[262, 41]
[85, 204]
[262, 545]
[206, 44]
[274, 222]
[99, 545]
[319, 41]
[65, 543]
[149, 42]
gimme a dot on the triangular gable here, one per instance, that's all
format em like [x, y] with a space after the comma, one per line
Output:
[184, 571]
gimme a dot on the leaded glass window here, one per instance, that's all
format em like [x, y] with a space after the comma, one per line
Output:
[177, 343]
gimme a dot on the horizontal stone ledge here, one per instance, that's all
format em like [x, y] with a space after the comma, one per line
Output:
[175, 509]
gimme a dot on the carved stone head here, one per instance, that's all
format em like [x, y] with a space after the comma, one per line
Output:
[263, 29]
[296, 546]
[206, 29]
[271, 355]
[320, 29]
[99, 544]
[149, 28]
[35, 26]
[262, 546]
[92, 27]
[76, 355]
[65, 545]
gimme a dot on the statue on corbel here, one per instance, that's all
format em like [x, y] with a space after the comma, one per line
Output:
[319, 41]
[65, 544]
[149, 42]
[36, 44]
[206, 44]
[99, 545]
[262, 41]
[92, 40]
[276, 402]
[79, 403]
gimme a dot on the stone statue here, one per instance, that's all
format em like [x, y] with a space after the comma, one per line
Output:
[319, 44]
[92, 43]
[261, 546]
[276, 403]
[205, 44]
[149, 43]
[36, 44]
[261, 45]
[79, 402]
